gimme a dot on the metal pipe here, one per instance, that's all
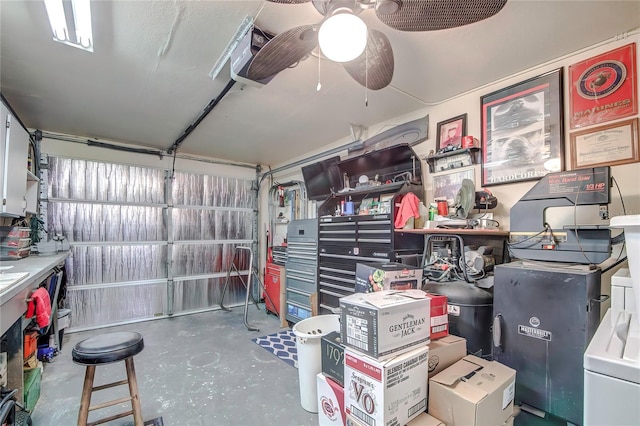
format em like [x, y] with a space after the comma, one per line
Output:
[125, 148]
[202, 116]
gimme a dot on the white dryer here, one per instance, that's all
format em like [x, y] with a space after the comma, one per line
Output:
[612, 373]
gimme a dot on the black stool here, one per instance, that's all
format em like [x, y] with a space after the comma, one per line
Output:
[105, 349]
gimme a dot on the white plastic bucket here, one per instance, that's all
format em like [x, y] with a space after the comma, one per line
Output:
[631, 226]
[308, 333]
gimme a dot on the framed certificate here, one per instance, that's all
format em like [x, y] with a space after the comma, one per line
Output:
[609, 145]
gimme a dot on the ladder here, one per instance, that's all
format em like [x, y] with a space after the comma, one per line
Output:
[233, 267]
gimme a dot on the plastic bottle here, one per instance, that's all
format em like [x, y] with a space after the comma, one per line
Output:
[433, 210]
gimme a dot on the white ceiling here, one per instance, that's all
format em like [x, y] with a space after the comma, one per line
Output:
[147, 79]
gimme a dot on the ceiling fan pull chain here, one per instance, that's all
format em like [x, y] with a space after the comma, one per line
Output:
[366, 77]
[319, 86]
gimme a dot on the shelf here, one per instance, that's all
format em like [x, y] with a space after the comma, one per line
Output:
[387, 187]
[453, 159]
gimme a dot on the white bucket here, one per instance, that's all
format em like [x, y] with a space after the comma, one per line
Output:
[631, 226]
[308, 335]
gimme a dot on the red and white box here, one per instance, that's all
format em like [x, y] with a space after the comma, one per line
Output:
[330, 402]
[391, 392]
[439, 316]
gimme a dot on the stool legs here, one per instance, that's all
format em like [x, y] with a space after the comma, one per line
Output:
[133, 391]
[85, 401]
[88, 389]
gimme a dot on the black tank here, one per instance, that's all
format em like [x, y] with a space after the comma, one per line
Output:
[470, 313]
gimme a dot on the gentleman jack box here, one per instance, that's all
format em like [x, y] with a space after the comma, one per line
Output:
[392, 392]
[385, 324]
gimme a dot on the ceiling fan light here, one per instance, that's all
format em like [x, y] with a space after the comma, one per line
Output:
[342, 37]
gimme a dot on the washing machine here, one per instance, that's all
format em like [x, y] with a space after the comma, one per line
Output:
[612, 372]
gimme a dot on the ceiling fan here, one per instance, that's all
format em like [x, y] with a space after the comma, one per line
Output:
[373, 64]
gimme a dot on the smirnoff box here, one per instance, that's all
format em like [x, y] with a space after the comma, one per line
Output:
[385, 393]
[386, 323]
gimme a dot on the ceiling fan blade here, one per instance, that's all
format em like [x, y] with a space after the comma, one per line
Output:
[374, 68]
[430, 15]
[283, 51]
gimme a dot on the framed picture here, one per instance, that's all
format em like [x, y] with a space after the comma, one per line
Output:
[603, 88]
[522, 130]
[607, 145]
[451, 131]
[447, 185]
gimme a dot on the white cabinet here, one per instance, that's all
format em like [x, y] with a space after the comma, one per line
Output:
[14, 172]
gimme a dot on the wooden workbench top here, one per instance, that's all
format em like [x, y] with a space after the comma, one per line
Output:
[13, 298]
[459, 231]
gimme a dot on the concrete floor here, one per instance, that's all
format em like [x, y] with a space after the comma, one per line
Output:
[200, 369]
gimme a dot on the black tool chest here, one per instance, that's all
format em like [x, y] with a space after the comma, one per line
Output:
[345, 240]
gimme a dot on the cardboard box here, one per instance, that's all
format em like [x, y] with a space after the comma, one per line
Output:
[332, 357]
[479, 392]
[509, 421]
[391, 392]
[32, 361]
[425, 419]
[372, 277]
[330, 402]
[439, 316]
[352, 421]
[446, 352]
[385, 323]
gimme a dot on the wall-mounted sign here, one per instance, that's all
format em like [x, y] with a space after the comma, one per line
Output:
[603, 88]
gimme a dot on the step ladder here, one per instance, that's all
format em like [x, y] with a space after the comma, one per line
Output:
[252, 274]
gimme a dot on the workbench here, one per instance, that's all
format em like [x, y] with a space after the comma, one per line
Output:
[13, 306]
[495, 238]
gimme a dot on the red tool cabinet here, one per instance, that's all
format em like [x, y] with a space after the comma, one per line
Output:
[273, 281]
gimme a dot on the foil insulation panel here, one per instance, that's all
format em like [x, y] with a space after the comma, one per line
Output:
[116, 243]
[109, 305]
[201, 294]
[199, 224]
[94, 181]
[191, 189]
[197, 259]
[115, 264]
[106, 222]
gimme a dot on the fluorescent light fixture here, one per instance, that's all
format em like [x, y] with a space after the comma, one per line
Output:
[80, 34]
[245, 26]
[342, 37]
